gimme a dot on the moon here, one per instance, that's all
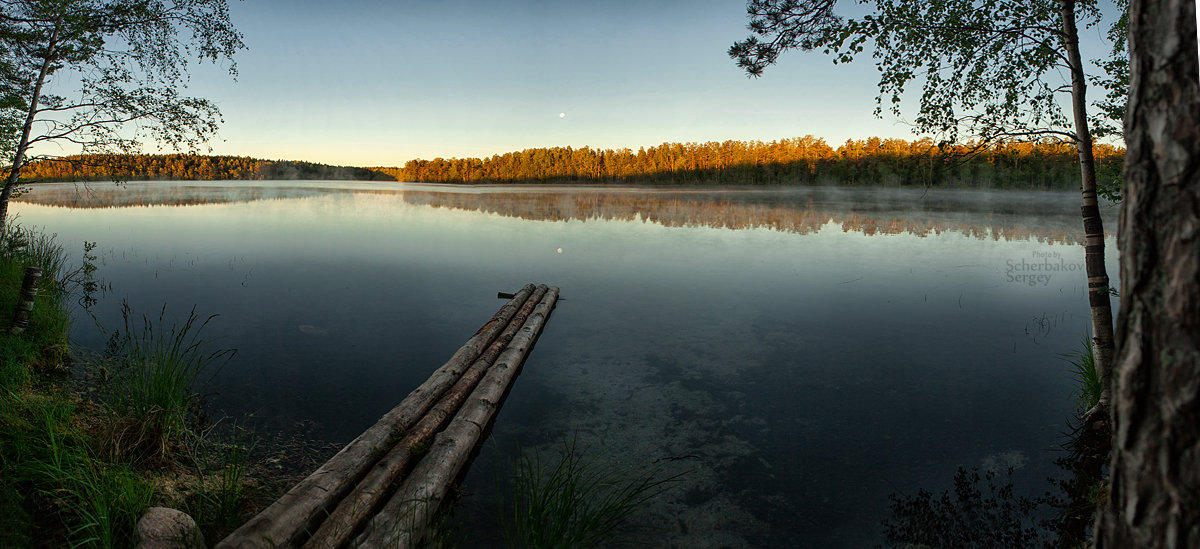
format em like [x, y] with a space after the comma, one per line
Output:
[562, 115]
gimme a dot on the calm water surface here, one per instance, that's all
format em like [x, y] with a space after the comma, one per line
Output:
[805, 352]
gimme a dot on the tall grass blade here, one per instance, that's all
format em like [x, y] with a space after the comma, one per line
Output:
[1083, 367]
[155, 378]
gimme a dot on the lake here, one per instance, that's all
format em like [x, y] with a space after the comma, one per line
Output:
[803, 352]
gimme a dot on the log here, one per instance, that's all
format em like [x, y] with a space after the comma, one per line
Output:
[356, 508]
[402, 521]
[287, 521]
[506, 295]
[29, 288]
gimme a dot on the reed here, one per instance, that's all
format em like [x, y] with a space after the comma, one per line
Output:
[1083, 367]
[219, 461]
[33, 246]
[155, 381]
[574, 501]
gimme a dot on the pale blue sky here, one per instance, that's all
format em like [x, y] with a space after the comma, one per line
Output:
[379, 83]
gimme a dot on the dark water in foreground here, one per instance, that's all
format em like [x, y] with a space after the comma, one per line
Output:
[810, 350]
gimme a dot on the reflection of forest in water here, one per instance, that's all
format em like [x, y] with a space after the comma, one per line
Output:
[124, 195]
[1049, 217]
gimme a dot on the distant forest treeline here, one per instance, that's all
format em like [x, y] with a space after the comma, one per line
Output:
[804, 160]
[799, 161]
[186, 167]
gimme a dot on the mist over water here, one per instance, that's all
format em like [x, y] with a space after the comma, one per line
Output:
[805, 352]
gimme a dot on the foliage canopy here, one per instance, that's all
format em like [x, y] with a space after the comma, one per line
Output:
[988, 69]
[991, 69]
[105, 75]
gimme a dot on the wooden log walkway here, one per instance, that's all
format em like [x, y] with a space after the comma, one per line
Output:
[383, 487]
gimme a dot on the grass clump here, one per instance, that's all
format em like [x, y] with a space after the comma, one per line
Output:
[30, 246]
[44, 343]
[152, 390]
[573, 501]
[221, 497]
[1083, 366]
[63, 490]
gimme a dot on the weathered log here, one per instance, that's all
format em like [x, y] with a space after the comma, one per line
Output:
[402, 521]
[29, 287]
[287, 521]
[506, 295]
[356, 508]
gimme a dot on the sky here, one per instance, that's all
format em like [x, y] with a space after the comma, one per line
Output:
[377, 83]
[374, 83]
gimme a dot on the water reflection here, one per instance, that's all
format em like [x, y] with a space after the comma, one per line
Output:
[838, 346]
[1008, 215]
[159, 193]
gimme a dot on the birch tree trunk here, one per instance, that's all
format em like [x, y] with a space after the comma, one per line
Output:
[29, 288]
[1093, 225]
[14, 174]
[1154, 491]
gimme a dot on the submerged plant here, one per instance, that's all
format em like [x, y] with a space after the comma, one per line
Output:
[154, 380]
[1083, 366]
[971, 517]
[574, 501]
